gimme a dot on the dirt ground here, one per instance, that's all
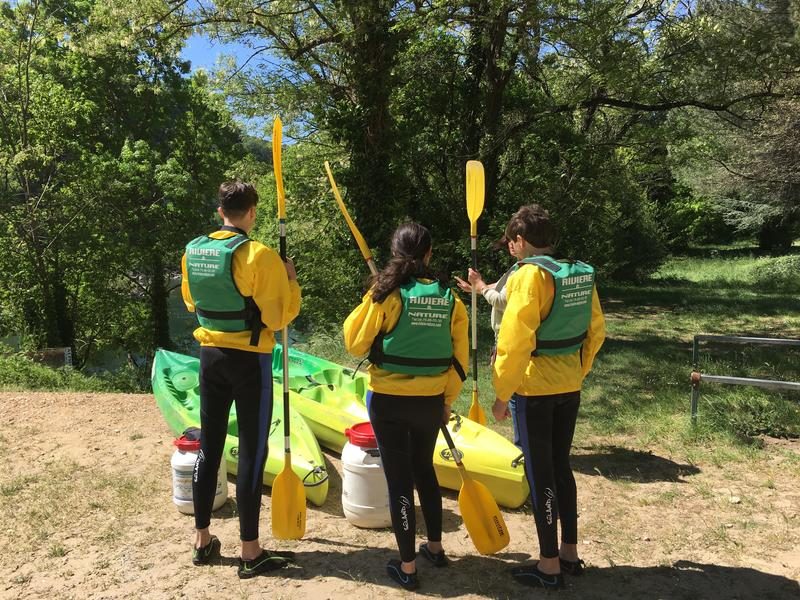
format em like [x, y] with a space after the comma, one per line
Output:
[86, 512]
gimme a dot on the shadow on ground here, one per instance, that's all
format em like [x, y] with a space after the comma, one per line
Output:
[684, 580]
[615, 462]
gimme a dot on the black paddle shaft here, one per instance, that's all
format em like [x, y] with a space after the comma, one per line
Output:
[474, 342]
[451, 445]
[285, 332]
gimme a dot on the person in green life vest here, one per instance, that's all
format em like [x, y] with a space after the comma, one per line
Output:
[495, 295]
[241, 292]
[415, 330]
[551, 331]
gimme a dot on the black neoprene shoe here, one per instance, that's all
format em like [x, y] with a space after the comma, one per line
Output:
[204, 555]
[406, 580]
[531, 575]
[574, 568]
[265, 562]
[438, 560]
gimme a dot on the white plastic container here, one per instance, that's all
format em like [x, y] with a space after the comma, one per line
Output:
[365, 496]
[182, 462]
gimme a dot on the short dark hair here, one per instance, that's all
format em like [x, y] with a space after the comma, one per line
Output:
[533, 223]
[235, 198]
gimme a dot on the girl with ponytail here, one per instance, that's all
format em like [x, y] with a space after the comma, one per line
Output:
[415, 330]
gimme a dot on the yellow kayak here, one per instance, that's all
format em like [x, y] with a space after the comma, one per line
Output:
[175, 379]
[332, 398]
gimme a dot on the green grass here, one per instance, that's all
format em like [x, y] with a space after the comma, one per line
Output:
[640, 384]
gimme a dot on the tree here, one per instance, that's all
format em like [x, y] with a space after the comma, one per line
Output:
[107, 156]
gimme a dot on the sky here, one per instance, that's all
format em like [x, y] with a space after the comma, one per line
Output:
[203, 52]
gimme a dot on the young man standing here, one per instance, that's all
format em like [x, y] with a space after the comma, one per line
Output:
[241, 292]
[552, 329]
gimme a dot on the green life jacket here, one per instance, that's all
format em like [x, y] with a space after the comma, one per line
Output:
[564, 329]
[219, 305]
[420, 343]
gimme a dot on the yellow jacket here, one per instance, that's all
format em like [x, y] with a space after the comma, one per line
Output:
[370, 318]
[530, 294]
[258, 271]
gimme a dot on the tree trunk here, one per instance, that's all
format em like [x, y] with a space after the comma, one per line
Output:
[376, 194]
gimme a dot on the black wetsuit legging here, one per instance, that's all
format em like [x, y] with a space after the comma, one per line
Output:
[546, 425]
[406, 428]
[246, 377]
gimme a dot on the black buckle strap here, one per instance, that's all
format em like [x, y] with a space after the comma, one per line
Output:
[250, 315]
[459, 370]
[255, 321]
[417, 362]
[224, 315]
[555, 344]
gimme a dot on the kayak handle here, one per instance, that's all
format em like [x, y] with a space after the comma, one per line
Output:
[316, 471]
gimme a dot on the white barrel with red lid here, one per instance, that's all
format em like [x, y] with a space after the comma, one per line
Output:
[365, 496]
[183, 461]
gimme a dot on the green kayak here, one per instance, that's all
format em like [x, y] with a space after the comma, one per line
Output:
[175, 379]
[332, 398]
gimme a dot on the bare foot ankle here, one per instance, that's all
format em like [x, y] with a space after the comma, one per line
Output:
[435, 547]
[202, 539]
[569, 552]
[549, 566]
[251, 549]
[409, 568]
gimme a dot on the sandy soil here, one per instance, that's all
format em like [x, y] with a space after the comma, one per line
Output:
[86, 512]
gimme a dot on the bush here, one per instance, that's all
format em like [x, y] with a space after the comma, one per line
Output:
[777, 274]
[690, 220]
[747, 415]
[17, 371]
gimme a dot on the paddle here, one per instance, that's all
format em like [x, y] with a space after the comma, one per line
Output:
[482, 517]
[475, 193]
[288, 494]
[362, 243]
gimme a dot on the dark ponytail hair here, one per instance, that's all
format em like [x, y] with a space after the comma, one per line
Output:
[410, 243]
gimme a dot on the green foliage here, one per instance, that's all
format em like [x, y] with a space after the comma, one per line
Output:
[689, 220]
[330, 269]
[409, 95]
[108, 155]
[748, 415]
[777, 274]
[17, 372]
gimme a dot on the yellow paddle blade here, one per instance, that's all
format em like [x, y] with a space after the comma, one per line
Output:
[482, 518]
[476, 411]
[362, 243]
[277, 141]
[475, 193]
[288, 504]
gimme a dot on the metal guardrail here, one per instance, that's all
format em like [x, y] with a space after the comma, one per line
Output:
[697, 377]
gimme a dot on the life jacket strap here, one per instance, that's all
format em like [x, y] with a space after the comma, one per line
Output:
[250, 315]
[554, 344]
[377, 357]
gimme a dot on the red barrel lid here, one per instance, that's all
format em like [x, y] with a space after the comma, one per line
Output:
[361, 435]
[186, 445]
